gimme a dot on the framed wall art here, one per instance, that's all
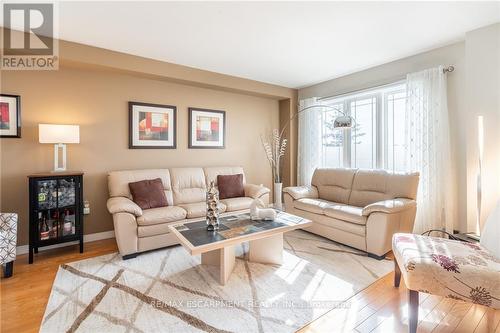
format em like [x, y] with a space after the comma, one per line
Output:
[10, 116]
[152, 126]
[207, 128]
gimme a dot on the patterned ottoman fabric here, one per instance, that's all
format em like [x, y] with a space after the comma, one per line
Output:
[448, 268]
[8, 237]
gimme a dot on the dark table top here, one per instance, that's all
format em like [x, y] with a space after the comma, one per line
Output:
[233, 226]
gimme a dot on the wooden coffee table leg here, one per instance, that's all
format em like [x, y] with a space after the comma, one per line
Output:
[267, 250]
[223, 258]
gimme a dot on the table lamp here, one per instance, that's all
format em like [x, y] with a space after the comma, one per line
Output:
[59, 135]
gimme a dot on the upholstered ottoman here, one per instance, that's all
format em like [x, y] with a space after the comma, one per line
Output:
[8, 241]
[443, 267]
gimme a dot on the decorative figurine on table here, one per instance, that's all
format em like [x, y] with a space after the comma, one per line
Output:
[212, 207]
[258, 211]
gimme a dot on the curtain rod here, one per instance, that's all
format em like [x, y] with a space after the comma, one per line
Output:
[446, 70]
[396, 81]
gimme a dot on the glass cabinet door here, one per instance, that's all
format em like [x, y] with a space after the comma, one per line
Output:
[66, 206]
[47, 194]
[56, 208]
[66, 192]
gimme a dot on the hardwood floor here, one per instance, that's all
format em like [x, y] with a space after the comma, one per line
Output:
[24, 296]
[378, 308]
[383, 308]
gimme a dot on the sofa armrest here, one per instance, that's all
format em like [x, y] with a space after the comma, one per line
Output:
[390, 206]
[300, 192]
[255, 191]
[123, 205]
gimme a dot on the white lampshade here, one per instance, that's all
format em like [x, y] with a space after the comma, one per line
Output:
[51, 133]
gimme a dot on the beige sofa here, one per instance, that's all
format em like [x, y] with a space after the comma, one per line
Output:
[359, 208]
[138, 230]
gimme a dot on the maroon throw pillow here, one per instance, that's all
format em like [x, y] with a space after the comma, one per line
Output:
[148, 193]
[230, 186]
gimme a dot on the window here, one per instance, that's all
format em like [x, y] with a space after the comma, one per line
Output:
[376, 140]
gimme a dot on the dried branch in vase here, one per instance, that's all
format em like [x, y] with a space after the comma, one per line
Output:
[275, 148]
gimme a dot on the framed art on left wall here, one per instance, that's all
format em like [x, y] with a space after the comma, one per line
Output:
[152, 126]
[10, 116]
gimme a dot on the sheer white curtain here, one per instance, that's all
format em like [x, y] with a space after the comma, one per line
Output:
[428, 148]
[309, 141]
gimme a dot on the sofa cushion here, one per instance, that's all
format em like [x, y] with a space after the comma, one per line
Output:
[161, 215]
[199, 209]
[347, 227]
[148, 193]
[188, 185]
[234, 204]
[348, 213]
[312, 205]
[333, 184]
[230, 186]
[118, 182]
[211, 173]
[370, 186]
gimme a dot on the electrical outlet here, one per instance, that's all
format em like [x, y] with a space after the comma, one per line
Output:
[86, 207]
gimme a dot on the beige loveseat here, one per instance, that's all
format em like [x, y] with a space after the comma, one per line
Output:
[138, 230]
[359, 208]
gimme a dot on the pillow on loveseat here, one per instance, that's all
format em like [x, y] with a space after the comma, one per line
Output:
[148, 193]
[230, 186]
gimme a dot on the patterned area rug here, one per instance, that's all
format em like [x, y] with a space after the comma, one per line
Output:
[169, 291]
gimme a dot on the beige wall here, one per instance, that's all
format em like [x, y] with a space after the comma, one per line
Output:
[97, 99]
[482, 98]
[450, 55]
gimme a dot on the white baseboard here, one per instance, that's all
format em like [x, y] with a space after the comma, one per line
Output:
[23, 249]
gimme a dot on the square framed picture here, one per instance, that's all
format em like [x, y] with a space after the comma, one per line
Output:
[207, 128]
[152, 126]
[10, 116]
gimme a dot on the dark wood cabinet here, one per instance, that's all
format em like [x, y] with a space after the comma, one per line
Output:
[56, 209]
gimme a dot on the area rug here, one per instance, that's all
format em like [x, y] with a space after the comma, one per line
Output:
[169, 291]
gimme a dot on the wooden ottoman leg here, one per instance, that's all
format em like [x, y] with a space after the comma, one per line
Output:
[412, 311]
[397, 274]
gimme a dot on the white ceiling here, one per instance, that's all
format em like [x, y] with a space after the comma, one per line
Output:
[293, 44]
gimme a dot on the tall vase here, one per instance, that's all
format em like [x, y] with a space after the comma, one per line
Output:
[277, 195]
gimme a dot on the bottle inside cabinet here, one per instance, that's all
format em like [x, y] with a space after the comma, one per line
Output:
[50, 223]
[68, 222]
[55, 224]
[43, 227]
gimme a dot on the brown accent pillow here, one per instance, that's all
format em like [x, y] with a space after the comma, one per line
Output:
[230, 186]
[148, 193]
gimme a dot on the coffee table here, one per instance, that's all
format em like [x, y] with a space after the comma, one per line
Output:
[217, 247]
